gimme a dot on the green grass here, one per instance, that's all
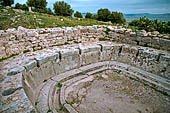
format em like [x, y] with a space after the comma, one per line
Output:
[2, 59]
[104, 39]
[26, 51]
[13, 19]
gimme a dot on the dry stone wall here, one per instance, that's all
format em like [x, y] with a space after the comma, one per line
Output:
[17, 41]
[36, 74]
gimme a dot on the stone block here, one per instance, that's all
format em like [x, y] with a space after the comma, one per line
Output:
[30, 65]
[16, 70]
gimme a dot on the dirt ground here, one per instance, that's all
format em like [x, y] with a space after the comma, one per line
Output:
[111, 92]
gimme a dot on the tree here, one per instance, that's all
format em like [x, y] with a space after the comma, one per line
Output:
[7, 2]
[62, 9]
[78, 15]
[25, 7]
[103, 14]
[37, 4]
[116, 17]
[20, 6]
[88, 15]
[49, 11]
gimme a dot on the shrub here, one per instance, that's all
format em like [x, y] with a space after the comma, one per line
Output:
[78, 15]
[62, 9]
[88, 15]
[6, 2]
[94, 17]
[151, 25]
[103, 15]
[116, 17]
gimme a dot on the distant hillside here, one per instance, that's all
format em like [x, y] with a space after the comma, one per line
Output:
[162, 17]
[12, 18]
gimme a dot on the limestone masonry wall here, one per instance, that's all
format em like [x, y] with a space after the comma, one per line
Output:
[43, 57]
[17, 41]
[33, 71]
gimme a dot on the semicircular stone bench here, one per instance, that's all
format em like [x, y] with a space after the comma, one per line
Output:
[44, 76]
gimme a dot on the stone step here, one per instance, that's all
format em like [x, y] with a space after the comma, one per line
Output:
[70, 108]
[42, 102]
[48, 93]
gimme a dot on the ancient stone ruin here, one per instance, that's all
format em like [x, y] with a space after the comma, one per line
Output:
[90, 69]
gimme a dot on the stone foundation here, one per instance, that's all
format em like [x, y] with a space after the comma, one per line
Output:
[32, 80]
[22, 40]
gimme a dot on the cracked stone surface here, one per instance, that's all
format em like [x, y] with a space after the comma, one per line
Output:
[112, 92]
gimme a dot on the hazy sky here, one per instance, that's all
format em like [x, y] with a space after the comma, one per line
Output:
[125, 6]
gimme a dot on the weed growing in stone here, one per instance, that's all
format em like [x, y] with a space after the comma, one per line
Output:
[45, 81]
[103, 39]
[26, 51]
[66, 43]
[59, 85]
[49, 111]
[36, 103]
[62, 109]
[2, 59]
[107, 31]
[119, 71]
[76, 42]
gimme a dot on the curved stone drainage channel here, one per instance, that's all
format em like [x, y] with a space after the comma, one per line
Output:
[51, 77]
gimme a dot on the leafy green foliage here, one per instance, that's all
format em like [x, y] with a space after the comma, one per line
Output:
[88, 15]
[44, 10]
[107, 31]
[103, 15]
[151, 25]
[62, 9]
[94, 17]
[6, 2]
[78, 14]
[104, 39]
[37, 4]
[59, 85]
[49, 111]
[26, 51]
[2, 7]
[36, 103]
[119, 71]
[45, 81]
[116, 17]
[20, 6]
[49, 11]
